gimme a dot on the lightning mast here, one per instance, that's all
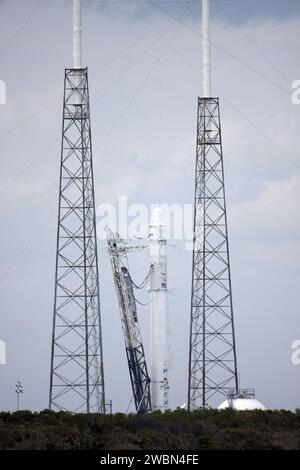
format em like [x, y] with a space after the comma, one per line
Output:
[139, 377]
[76, 375]
[212, 351]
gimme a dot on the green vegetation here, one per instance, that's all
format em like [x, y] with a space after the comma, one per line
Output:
[199, 430]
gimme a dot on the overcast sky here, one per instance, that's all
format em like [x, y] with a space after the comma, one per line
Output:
[143, 105]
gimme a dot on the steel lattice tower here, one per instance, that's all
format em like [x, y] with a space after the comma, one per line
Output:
[212, 360]
[212, 352]
[140, 380]
[77, 379]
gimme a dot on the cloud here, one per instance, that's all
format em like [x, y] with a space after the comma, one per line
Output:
[240, 12]
[274, 215]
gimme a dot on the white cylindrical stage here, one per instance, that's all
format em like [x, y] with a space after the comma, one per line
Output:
[159, 314]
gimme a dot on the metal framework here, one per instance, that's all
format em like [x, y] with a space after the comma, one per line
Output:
[76, 376]
[139, 377]
[212, 354]
[240, 393]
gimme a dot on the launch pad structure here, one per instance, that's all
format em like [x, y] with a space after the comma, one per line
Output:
[77, 374]
[149, 392]
[212, 352]
[140, 380]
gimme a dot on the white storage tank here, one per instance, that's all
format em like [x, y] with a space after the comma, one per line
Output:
[242, 400]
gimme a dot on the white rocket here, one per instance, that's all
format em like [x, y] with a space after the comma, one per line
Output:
[159, 314]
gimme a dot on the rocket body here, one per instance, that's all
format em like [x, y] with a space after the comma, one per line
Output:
[159, 315]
